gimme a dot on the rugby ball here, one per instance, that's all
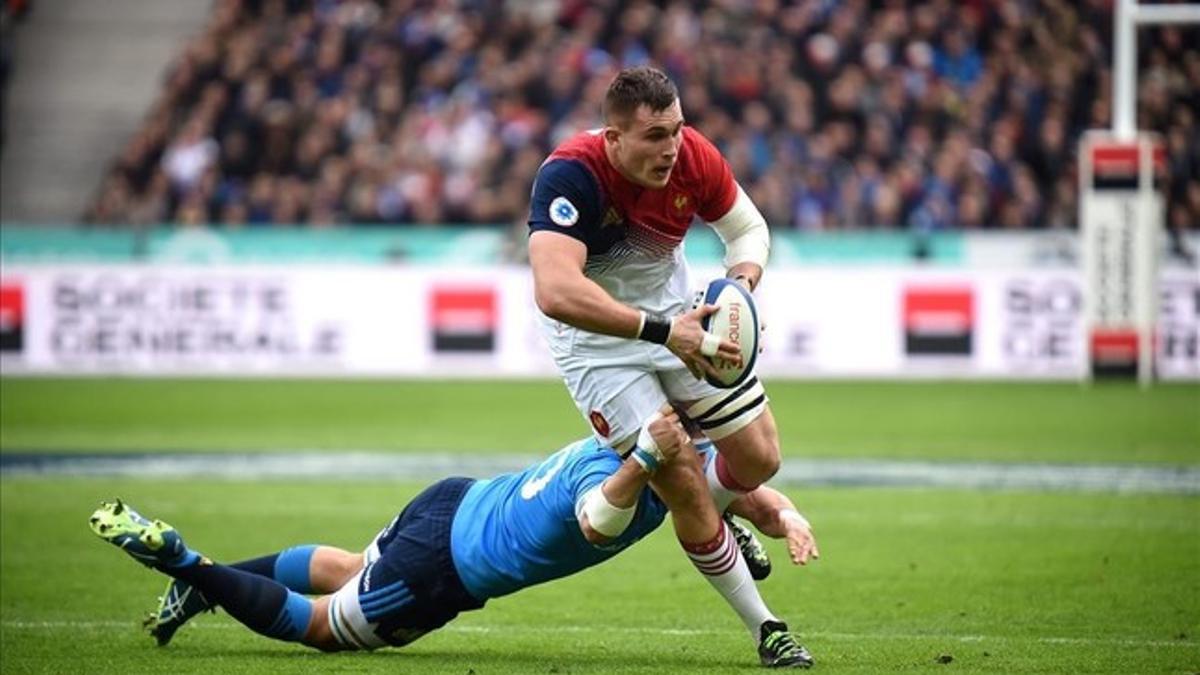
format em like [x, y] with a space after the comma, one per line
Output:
[736, 320]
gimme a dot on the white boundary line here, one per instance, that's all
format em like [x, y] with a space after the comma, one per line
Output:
[365, 465]
[674, 632]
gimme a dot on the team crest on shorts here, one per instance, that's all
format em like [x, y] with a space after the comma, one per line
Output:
[563, 212]
[599, 423]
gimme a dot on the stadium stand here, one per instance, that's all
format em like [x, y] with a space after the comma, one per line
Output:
[890, 114]
[80, 76]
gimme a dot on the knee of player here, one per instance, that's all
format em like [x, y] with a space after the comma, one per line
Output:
[764, 456]
[770, 459]
[769, 464]
[760, 466]
[349, 564]
[319, 634]
[332, 567]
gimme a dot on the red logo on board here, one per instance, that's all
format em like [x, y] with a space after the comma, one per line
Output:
[938, 320]
[12, 318]
[464, 319]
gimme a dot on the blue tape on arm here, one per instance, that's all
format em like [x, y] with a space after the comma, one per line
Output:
[647, 460]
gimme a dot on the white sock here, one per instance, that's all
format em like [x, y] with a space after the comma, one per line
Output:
[722, 496]
[721, 562]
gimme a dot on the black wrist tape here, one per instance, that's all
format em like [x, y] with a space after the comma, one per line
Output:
[655, 329]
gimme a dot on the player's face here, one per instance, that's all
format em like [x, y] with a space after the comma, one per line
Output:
[646, 147]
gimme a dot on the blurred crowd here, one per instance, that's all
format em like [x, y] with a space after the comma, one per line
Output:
[11, 12]
[883, 114]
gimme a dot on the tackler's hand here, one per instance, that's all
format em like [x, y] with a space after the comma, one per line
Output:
[801, 542]
[660, 440]
[668, 434]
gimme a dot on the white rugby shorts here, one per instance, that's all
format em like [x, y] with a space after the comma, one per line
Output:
[617, 387]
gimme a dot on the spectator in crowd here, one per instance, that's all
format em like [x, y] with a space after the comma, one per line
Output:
[923, 115]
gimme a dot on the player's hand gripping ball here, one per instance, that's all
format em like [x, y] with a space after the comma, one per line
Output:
[736, 320]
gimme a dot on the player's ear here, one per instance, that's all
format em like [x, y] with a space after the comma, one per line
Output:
[611, 135]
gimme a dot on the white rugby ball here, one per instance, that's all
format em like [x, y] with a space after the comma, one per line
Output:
[736, 320]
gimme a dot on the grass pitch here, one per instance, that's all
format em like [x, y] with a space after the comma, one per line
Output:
[997, 582]
[910, 580]
[899, 420]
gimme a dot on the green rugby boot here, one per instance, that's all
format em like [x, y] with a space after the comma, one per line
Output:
[152, 543]
[178, 604]
[777, 647]
[752, 549]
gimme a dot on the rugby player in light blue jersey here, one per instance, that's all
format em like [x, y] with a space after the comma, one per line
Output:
[458, 544]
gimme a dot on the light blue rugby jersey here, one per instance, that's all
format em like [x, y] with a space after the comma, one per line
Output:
[519, 529]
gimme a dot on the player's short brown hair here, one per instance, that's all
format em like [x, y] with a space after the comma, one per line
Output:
[635, 87]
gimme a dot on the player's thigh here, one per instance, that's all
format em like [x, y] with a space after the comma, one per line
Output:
[615, 396]
[680, 483]
[409, 518]
[319, 633]
[330, 567]
[720, 413]
[411, 590]
[758, 439]
[409, 585]
[353, 616]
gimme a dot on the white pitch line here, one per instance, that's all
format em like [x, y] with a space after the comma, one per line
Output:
[366, 465]
[672, 632]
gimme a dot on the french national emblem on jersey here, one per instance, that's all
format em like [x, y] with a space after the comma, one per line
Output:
[599, 423]
[563, 212]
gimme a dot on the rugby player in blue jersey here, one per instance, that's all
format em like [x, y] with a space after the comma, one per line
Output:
[456, 545]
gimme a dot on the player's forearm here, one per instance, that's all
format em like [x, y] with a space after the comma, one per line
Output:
[623, 488]
[607, 509]
[763, 507]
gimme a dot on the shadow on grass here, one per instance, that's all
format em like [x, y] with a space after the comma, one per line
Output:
[485, 659]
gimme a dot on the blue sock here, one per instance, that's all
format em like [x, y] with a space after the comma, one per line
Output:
[263, 567]
[289, 567]
[261, 604]
[189, 557]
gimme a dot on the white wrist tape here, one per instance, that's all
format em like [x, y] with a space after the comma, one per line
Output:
[604, 518]
[709, 344]
[744, 232]
[794, 516]
[646, 442]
